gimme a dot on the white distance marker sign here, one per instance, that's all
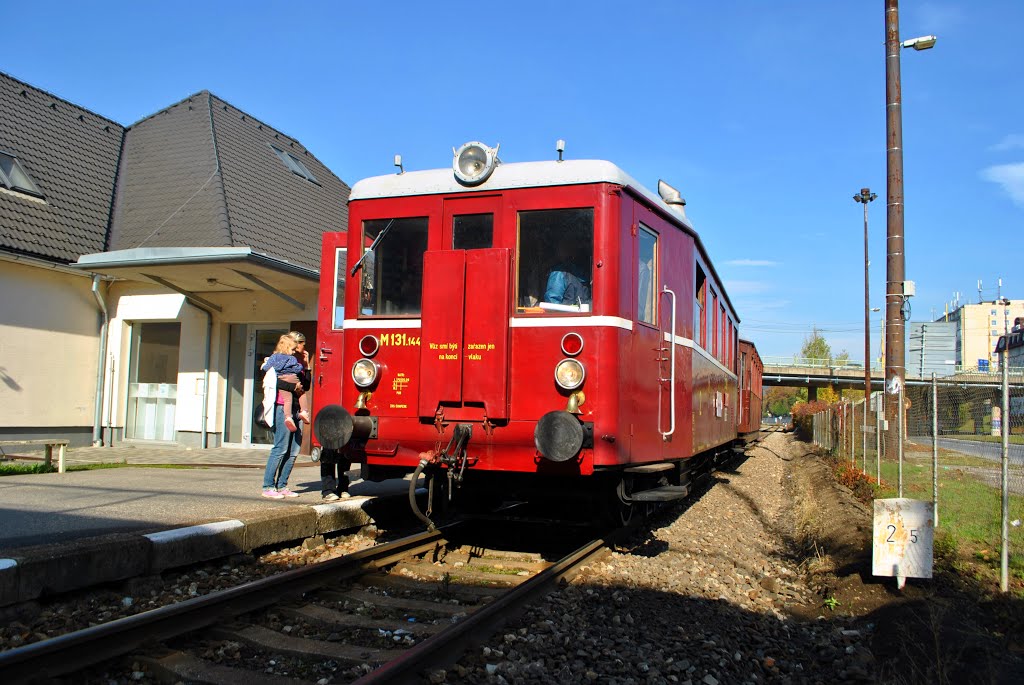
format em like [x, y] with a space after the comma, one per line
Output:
[903, 536]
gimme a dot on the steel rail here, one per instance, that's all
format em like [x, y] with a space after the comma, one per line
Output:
[446, 645]
[73, 651]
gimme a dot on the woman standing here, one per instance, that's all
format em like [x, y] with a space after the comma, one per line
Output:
[286, 442]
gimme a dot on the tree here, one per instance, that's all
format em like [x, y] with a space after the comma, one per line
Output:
[779, 401]
[815, 347]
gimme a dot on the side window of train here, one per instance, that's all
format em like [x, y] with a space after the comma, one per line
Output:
[647, 277]
[392, 281]
[721, 333]
[700, 293]
[472, 231]
[713, 328]
[555, 261]
[340, 267]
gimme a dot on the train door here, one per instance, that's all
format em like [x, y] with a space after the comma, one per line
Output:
[465, 343]
[651, 401]
[326, 358]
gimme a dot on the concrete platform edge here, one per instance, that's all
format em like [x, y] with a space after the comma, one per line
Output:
[29, 573]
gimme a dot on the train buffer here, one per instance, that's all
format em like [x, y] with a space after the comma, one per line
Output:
[665, 493]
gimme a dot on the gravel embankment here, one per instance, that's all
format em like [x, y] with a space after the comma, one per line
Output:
[708, 597]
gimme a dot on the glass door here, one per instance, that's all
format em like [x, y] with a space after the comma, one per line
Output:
[153, 381]
[262, 341]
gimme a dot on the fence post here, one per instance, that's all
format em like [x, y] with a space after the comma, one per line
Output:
[935, 452]
[853, 443]
[878, 441]
[1004, 560]
[864, 440]
[899, 438]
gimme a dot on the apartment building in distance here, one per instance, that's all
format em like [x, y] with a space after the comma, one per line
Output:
[978, 329]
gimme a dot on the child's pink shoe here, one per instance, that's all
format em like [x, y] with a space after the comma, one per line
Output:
[304, 415]
[289, 423]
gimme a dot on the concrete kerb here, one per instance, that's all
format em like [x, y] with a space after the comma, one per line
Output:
[34, 572]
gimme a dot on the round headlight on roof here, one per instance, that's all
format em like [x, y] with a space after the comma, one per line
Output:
[474, 162]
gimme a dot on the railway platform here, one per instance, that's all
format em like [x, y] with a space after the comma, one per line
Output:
[163, 507]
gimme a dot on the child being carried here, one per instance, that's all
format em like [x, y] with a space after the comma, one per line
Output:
[290, 370]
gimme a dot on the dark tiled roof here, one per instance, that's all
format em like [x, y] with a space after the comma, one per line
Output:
[72, 155]
[171, 194]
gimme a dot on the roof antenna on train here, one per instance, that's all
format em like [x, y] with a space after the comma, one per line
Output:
[560, 147]
[672, 197]
[398, 163]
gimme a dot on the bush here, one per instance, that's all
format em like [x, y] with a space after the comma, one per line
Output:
[803, 417]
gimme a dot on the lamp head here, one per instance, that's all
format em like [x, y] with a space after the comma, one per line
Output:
[474, 162]
[920, 43]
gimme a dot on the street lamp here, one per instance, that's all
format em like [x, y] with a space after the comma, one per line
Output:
[895, 264]
[864, 197]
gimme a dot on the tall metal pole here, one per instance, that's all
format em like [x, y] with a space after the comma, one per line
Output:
[1004, 555]
[864, 197]
[935, 452]
[899, 439]
[894, 263]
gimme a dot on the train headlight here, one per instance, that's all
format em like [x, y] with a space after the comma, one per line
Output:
[569, 374]
[474, 163]
[364, 372]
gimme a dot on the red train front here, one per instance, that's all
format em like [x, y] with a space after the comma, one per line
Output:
[524, 326]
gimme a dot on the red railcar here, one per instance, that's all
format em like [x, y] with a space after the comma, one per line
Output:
[750, 408]
[530, 326]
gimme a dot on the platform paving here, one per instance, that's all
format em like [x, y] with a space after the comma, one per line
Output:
[59, 531]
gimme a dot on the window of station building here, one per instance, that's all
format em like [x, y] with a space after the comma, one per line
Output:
[14, 176]
[340, 267]
[647, 281]
[699, 295]
[392, 282]
[555, 257]
[472, 231]
[294, 164]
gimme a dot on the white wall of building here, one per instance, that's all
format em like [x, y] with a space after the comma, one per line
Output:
[134, 302]
[49, 341]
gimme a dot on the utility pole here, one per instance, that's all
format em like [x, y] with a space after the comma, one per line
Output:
[895, 364]
[895, 264]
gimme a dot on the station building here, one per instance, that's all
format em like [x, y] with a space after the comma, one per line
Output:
[146, 270]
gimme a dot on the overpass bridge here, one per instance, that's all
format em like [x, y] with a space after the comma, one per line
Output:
[822, 373]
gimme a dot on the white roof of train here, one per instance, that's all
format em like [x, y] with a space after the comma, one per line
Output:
[505, 176]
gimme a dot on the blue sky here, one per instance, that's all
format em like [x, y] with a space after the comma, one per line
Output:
[768, 116]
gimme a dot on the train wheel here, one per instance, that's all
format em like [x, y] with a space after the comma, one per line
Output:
[622, 512]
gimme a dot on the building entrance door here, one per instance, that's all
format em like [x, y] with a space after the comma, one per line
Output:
[153, 381]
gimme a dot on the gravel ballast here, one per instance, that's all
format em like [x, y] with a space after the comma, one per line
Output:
[711, 593]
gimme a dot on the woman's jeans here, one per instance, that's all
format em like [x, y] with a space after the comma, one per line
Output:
[283, 453]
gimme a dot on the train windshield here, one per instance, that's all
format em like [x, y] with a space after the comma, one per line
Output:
[556, 256]
[392, 282]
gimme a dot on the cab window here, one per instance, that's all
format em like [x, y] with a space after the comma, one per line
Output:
[555, 257]
[472, 231]
[392, 273]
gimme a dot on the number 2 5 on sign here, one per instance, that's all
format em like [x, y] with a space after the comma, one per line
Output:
[902, 540]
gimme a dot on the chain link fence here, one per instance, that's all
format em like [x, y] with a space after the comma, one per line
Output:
[958, 444]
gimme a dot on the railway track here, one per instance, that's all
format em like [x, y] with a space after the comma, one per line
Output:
[383, 614]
